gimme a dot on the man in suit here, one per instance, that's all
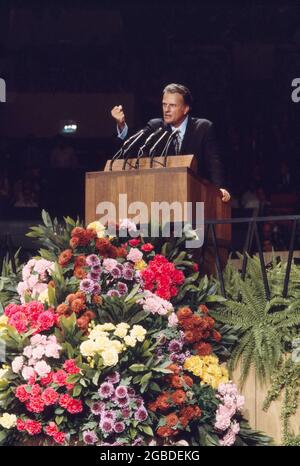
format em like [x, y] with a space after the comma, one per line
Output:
[195, 135]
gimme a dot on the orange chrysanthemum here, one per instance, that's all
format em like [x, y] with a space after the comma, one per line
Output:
[177, 381]
[174, 368]
[97, 300]
[203, 349]
[188, 380]
[79, 273]
[162, 402]
[74, 242]
[184, 312]
[171, 420]
[80, 261]
[62, 309]
[164, 431]
[65, 257]
[77, 305]
[179, 397]
[78, 231]
[70, 298]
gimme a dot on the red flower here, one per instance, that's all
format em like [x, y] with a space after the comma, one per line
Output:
[22, 394]
[70, 366]
[203, 349]
[33, 427]
[203, 308]
[35, 404]
[172, 420]
[46, 320]
[51, 429]
[50, 396]
[47, 379]
[78, 231]
[216, 335]
[164, 431]
[179, 397]
[74, 406]
[195, 267]
[21, 425]
[59, 437]
[148, 247]
[134, 242]
[74, 242]
[60, 378]
[64, 400]
[177, 381]
[80, 261]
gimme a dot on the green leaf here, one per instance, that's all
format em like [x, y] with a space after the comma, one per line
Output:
[146, 429]
[59, 419]
[73, 378]
[77, 390]
[137, 368]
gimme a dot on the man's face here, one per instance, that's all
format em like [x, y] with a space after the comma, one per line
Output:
[174, 109]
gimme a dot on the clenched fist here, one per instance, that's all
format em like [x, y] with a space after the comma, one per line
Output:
[118, 114]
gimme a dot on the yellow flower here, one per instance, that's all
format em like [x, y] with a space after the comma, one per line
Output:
[117, 345]
[96, 333]
[87, 348]
[108, 327]
[121, 330]
[110, 357]
[44, 296]
[2, 374]
[98, 227]
[130, 341]
[138, 332]
[140, 265]
[101, 343]
[3, 321]
[8, 420]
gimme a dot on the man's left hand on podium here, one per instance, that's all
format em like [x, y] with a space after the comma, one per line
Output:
[225, 195]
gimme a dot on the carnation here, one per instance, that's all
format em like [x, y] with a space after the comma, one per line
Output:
[50, 396]
[17, 364]
[106, 425]
[134, 255]
[119, 427]
[106, 390]
[141, 414]
[42, 368]
[93, 260]
[89, 437]
[121, 391]
[86, 285]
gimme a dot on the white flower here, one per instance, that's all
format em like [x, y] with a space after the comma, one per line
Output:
[110, 357]
[7, 421]
[138, 332]
[98, 227]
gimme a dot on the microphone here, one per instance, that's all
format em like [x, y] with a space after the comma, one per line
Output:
[153, 148]
[122, 150]
[146, 144]
[136, 137]
[165, 149]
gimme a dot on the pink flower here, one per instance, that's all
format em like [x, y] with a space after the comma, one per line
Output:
[47, 379]
[240, 402]
[172, 320]
[134, 255]
[235, 427]
[35, 390]
[42, 368]
[109, 264]
[17, 364]
[38, 352]
[70, 366]
[106, 425]
[60, 378]
[121, 391]
[64, 400]
[50, 396]
[28, 372]
[228, 439]
[46, 320]
[52, 350]
[148, 247]
[35, 404]
[33, 427]
[21, 425]
[119, 427]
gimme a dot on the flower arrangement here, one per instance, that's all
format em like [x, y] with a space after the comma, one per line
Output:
[122, 351]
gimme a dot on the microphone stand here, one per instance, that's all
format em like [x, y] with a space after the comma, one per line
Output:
[165, 150]
[141, 150]
[122, 150]
[152, 150]
[139, 135]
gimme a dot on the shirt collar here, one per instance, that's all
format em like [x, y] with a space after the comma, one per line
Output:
[182, 127]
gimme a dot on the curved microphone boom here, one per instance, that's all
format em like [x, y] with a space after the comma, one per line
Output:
[124, 148]
[153, 148]
[146, 144]
[137, 138]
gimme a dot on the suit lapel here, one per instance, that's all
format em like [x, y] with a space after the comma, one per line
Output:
[187, 137]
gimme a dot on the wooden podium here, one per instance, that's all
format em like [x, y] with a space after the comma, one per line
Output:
[177, 181]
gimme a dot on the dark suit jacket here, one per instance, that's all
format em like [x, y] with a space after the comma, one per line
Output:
[199, 139]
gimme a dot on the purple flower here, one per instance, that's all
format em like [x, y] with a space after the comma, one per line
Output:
[173, 357]
[137, 442]
[106, 425]
[96, 288]
[141, 415]
[125, 413]
[123, 402]
[113, 378]
[96, 269]
[89, 437]
[86, 285]
[93, 276]
[108, 415]
[131, 391]
[106, 390]
[119, 427]
[113, 293]
[139, 402]
[98, 407]
[122, 288]
[121, 391]
[128, 274]
[175, 346]
[116, 272]
[92, 260]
